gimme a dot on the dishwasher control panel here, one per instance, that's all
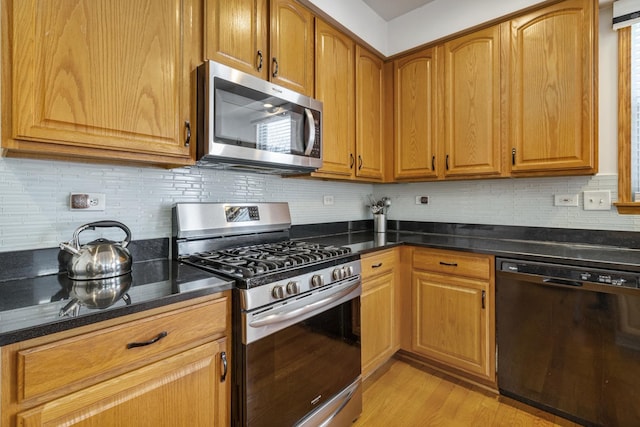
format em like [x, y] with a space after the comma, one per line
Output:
[569, 275]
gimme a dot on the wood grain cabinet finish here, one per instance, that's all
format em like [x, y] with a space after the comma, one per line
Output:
[335, 76]
[379, 323]
[472, 105]
[236, 34]
[95, 376]
[370, 116]
[415, 124]
[291, 46]
[101, 79]
[453, 311]
[552, 82]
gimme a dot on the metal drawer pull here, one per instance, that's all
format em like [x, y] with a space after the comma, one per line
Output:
[484, 296]
[378, 265]
[450, 264]
[151, 341]
[225, 366]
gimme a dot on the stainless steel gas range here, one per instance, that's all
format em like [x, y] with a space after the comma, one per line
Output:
[296, 313]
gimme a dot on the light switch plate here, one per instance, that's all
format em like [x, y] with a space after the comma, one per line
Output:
[599, 200]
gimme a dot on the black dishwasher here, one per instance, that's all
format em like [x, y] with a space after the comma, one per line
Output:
[569, 340]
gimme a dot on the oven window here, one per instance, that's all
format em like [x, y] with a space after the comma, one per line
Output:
[296, 370]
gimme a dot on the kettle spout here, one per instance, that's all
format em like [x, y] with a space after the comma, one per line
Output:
[68, 248]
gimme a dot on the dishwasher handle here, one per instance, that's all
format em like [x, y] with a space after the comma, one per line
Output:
[561, 282]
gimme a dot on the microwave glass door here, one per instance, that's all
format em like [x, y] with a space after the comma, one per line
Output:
[248, 118]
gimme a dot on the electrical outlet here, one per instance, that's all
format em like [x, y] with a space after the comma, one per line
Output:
[87, 201]
[565, 200]
[597, 200]
[327, 200]
[422, 200]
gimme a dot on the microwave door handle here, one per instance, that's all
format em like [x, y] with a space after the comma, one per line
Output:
[311, 138]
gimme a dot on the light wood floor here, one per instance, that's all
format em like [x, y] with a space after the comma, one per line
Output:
[403, 395]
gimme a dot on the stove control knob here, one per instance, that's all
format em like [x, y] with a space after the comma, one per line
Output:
[349, 271]
[338, 273]
[293, 288]
[278, 292]
[317, 280]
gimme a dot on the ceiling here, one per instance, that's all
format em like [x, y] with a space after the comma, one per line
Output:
[394, 8]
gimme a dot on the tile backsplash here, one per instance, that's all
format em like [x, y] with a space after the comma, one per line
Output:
[34, 199]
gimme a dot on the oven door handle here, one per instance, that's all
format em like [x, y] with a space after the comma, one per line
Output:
[288, 315]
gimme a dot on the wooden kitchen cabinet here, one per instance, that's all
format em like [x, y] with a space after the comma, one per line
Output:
[415, 116]
[89, 376]
[101, 80]
[271, 39]
[292, 46]
[472, 105]
[370, 116]
[552, 86]
[352, 96]
[236, 35]
[453, 311]
[335, 87]
[378, 312]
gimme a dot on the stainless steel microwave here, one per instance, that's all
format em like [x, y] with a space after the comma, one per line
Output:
[248, 123]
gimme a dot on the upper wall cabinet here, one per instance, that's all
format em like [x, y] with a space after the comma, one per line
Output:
[370, 117]
[472, 105]
[415, 123]
[99, 79]
[552, 83]
[236, 35]
[335, 77]
[349, 82]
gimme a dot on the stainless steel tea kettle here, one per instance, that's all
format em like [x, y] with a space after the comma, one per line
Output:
[99, 259]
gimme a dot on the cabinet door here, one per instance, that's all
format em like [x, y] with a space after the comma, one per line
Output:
[415, 116]
[236, 34]
[552, 86]
[291, 46]
[335, 88]
[185, 389]
[102, 78]
[369, 115]
[451, 321]
[472, 131]
[377, 321]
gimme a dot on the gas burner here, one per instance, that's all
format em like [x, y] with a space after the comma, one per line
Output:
[251, 261]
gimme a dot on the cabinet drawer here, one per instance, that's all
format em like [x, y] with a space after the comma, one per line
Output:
[378, 263]
[86, 359]
[452, 262]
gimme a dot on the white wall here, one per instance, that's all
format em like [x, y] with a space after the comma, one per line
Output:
[34, 193]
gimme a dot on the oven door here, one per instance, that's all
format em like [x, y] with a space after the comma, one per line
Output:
[314, 355]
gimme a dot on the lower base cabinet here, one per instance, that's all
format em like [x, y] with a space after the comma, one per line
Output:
[453, 315]
[378, 312]
[175, 373]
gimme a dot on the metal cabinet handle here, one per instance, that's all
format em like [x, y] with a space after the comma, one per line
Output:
[360, 162]
[275, 64]
[513, 156]
[187, 132]
[260, 59]
[446, 162]
[484, 296]
[151, 341]
[433, 163]
[225, 366]
[353, 160]
[378, 265]
[450, 264]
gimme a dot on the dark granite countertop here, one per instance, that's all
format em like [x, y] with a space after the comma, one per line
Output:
[47, 303]
[589, 248]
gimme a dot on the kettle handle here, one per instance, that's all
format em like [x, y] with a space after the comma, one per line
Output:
[102, 224]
